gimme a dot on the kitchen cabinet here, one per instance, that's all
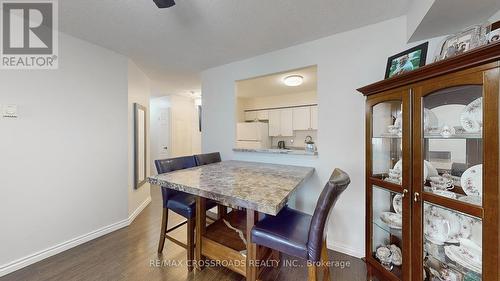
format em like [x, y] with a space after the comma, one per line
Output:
[432, 161]
[301, 118]
[314, 117]
[263, 115]
[280, 123]
[250, 115]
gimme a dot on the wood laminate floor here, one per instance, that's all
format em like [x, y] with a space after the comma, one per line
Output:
[130, 254]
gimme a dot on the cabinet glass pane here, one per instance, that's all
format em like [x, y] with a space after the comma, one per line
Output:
[387, 229]
[386, 141]
[452, 245]
[453, 144]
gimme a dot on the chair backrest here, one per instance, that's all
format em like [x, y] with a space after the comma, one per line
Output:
[207, 158]
[170, 165]
[338, 182]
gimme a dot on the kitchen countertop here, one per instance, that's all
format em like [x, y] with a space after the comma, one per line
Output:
[276, 151]
[262, 187]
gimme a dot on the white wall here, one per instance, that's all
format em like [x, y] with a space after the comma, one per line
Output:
[345, 62]
[139, 90]
[63, 163]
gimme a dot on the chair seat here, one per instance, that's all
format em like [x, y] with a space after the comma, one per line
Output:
[184, 204]
[286, 232]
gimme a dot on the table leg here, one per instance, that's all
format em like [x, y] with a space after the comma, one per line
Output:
[251, 247]
[201, 223]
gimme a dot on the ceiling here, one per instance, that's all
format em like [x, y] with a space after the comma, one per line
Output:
[272, 85]
[174, 45]
[451, 16]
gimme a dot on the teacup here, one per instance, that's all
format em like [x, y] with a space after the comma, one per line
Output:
[441, 183]
[447, 132]
[438, 230]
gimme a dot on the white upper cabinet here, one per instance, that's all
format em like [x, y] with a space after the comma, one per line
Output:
[314, 117]
[301, 118]
[263, 115]
[274, 122]
[286, 123]
[250, 115]
[280, 123]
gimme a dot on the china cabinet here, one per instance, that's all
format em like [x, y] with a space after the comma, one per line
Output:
[432, 164]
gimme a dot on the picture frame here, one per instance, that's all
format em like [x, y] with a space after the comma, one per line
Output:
[406, 61]
[460, 43]
[140, 145]
[494, 33]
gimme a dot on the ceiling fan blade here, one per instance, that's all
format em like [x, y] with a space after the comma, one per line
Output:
[164, 3]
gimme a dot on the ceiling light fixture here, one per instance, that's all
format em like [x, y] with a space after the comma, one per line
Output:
[293, 80]
[164, 3]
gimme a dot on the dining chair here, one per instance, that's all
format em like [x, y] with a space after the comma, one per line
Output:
[301, 235]
[210, 158]
[207, 158]
[179, 202]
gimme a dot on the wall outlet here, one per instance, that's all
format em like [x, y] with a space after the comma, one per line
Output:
[10, 111]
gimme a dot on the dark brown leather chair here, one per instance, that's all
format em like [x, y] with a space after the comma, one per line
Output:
[301, 235]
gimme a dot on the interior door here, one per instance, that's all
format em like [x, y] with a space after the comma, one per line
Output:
[163, 134]
[455, 144]
[388, 184]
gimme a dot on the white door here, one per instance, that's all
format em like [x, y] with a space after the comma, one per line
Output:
[314, 117]
[163, 136]
[181, 141]
[301, 118]
[274, 123]
[286, 124]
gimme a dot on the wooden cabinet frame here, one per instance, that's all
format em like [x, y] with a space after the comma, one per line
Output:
[479, 67]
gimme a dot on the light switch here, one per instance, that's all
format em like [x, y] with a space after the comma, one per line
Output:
[10, 111]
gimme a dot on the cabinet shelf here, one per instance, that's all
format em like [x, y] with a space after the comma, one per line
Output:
[453, 137]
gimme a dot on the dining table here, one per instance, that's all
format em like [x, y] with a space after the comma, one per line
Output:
[250, 190]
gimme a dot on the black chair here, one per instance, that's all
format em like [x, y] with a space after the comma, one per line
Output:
[207, 158]
[301, 235]
[179, 202]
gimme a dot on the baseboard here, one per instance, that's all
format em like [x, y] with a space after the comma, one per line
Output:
[139, 209]
[56, 249]
[342, 248]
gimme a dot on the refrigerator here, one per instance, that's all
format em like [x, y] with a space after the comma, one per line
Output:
[252, 135]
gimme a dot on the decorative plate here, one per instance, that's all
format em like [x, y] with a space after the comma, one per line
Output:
[445, 193]
[468, 255]
[397, 203]
[472, 181]
[393, 220]
[471, 117]
[396, 255]
[429, 170]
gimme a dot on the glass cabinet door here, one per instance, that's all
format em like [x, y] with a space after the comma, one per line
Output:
[388, 185]
[448, 183]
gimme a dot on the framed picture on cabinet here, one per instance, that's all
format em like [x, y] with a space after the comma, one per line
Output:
[406, 61]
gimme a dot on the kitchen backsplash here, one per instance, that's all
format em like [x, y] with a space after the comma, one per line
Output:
[297, 141]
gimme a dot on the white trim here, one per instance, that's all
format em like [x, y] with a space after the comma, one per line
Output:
[342, 248]
[56, 249]
[139, 209]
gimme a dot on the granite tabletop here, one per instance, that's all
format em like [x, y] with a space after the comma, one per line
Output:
[258, 186]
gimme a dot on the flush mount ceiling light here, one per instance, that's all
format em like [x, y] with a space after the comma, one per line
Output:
[164, 3]
[293, 80]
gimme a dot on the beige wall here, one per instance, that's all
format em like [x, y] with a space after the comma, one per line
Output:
[139, 90]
